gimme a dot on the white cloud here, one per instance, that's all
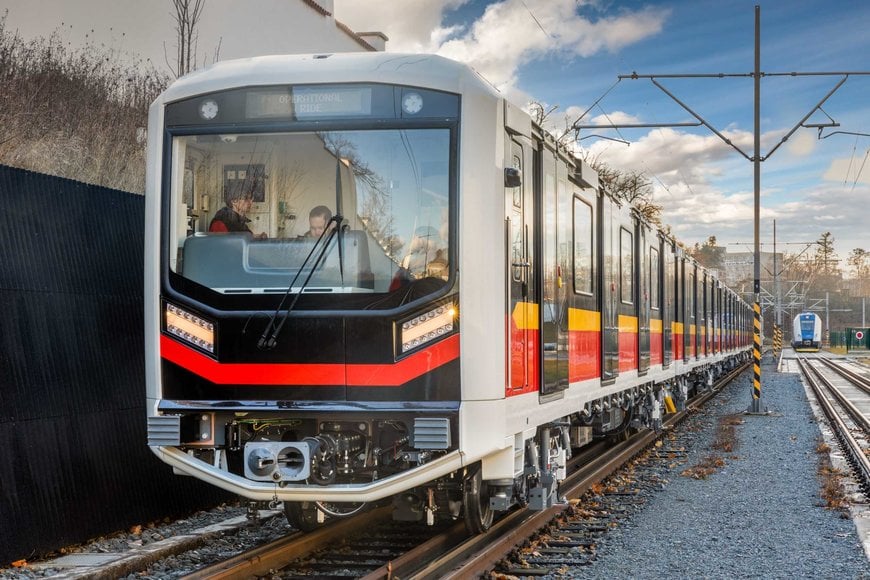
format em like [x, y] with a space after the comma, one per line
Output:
[802, 144]
[411, 26]
[613, 118]
[671, 155]
[703, 184]
[508, 35]
[849, 171]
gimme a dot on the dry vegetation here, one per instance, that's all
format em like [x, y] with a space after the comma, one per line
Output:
[77, 114]
[725, 441]
[832, 488]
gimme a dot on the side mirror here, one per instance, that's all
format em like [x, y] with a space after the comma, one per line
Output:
[513, 177]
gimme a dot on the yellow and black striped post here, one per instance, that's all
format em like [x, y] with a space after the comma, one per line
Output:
[777, 340]
[756, 407]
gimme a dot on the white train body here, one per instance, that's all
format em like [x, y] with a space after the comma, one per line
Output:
[530, 313]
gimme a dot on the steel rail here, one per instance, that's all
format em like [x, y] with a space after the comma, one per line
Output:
[480, 554]
[281, 552]
[853, 412]
[438, 556]
[849, 444]
[859, 381]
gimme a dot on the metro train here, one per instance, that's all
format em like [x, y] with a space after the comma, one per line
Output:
[807, 335]
[476, 309]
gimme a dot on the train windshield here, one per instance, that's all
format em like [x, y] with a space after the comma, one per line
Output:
[256, 213]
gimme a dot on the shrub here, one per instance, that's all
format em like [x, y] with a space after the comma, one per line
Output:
[79, 114]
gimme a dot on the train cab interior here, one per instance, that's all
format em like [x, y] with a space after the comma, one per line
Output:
[390, 188]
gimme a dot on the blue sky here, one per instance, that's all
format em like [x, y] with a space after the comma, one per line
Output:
[569, 53]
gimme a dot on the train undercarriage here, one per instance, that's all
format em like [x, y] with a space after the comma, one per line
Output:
[345, 453]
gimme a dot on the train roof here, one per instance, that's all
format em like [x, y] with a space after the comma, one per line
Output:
[421, 70]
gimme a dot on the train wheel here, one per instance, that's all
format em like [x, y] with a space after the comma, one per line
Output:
[478, 513]
[302, 515]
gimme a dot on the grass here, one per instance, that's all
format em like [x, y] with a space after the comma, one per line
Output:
[79, 114]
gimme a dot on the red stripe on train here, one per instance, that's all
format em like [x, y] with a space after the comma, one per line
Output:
[584, 355]
[627, 351]
[313, 374]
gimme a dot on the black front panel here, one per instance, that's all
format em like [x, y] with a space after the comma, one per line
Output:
[309, 104]
[439, 384]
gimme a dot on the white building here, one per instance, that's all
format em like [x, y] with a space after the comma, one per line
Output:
[235, 29]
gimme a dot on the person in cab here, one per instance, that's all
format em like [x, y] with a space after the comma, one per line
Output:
[233, 217]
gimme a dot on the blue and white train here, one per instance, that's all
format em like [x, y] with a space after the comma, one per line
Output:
[807, 335]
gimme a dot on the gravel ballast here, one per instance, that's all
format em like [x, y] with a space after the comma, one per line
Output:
[761, 515]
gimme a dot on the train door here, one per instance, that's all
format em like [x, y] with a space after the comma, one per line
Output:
[709, 298]
[688, 309]
[627, 290]
[521, 287]
[584, 325]
[564, 197]
[554, 307]
[619, 300]
[609, 297]
[729, 322]
[668, 301]
[716, 316]
[701, 317]
[680, 329]
[656, 346]
[720, 318]
[643, 297]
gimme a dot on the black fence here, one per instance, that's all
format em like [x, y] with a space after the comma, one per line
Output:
[73, 459]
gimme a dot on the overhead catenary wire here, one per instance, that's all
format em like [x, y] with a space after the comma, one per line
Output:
[860, 170]
[538, 22]
[851, 160]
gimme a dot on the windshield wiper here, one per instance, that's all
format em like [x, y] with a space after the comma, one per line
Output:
[269, 339]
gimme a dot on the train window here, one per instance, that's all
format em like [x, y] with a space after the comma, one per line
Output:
[690, 296]
[518, 254]
[654, 269]
[583, 247]
[626, 265]
[391, 187]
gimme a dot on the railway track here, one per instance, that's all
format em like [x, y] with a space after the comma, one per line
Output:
[843, 392]
[370, 546]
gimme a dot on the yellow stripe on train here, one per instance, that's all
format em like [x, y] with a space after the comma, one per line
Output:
[584, 320]
[525, 315]
[628, 324]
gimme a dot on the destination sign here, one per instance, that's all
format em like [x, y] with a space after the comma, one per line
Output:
[308, 102]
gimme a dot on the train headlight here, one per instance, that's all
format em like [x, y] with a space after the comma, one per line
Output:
[189, 327]
[427, 327]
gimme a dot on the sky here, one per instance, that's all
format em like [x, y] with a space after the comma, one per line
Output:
[569, 54]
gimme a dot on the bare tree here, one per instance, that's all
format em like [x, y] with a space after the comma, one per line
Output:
[631, 186]
[859, 260]
[710, 254]
[187, 14]
[826, 257]
[541, 116]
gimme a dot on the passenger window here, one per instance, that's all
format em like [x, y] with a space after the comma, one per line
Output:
[583, 247]
[626, 266]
